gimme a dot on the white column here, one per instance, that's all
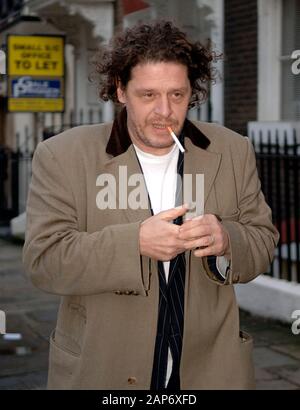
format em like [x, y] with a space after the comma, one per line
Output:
[102, 16]
[217, 36]
[269, 67]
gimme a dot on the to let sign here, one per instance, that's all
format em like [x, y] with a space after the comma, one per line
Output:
[35, 68]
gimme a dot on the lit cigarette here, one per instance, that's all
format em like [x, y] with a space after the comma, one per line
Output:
[175, 139]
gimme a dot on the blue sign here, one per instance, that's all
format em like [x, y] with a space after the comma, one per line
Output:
[28, 87]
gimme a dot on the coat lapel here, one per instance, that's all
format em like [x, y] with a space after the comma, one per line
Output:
[199, 161]
[131, 188]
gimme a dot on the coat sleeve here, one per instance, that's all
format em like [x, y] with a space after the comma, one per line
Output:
[62, 260]
[253, 237]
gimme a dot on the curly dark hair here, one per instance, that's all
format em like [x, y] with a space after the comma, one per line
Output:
[160, 41]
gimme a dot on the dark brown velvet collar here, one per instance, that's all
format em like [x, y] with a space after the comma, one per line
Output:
[119, 140]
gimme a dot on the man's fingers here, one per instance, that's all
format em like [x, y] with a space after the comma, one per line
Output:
[187, 224]
[205, 219]
[173, 213]
[204, 242]
[194, 232]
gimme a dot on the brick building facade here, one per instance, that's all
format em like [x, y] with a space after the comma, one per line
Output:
[240, 63]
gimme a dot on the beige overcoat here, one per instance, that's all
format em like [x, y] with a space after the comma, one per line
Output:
[106, 328]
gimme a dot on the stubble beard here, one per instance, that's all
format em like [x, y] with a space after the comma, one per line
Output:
[151, 142]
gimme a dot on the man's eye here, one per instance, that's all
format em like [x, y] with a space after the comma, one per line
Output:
[146, 94]
[177, 95]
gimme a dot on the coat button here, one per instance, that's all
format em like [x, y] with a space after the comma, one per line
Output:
[132, 380]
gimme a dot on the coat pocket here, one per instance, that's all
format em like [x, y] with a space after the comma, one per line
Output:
[63, 366]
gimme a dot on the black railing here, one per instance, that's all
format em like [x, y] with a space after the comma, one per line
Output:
[9, 184]
[60, 122]
[278, 163]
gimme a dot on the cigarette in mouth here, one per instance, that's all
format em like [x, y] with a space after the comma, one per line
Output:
[175, 139]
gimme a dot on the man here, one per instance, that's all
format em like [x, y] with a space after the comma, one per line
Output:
[147, 292]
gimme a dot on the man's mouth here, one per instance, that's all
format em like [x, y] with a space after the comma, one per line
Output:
[161, 126]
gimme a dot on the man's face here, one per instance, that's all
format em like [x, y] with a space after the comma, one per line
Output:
[156, 96]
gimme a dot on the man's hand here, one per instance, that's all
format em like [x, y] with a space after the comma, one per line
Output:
[159, 237]
[206, 233]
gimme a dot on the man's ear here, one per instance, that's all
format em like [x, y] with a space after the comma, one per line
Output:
[121, 93]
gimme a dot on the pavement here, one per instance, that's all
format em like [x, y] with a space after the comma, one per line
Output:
[31, 314]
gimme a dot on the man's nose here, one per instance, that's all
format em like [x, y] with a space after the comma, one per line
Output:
[163, 107]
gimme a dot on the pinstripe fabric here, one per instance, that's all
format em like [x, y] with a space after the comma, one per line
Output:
[171, 311]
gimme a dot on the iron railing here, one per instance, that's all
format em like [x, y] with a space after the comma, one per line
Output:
[278, 164]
